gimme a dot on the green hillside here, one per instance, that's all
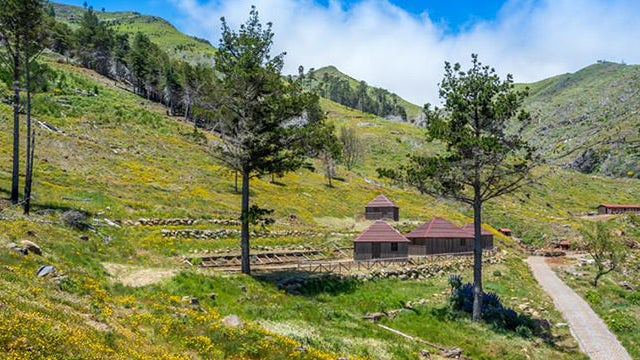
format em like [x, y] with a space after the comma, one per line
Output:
[413, 112]
[159, 31]
[118, 158]
[128, 201]
[589, 120]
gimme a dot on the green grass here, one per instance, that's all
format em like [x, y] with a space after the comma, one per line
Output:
[159, 31]
[592, 109]
[121, 158]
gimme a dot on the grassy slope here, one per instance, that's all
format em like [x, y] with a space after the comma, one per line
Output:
[594, 108]
[161, 32]
[121, 158]
[413, 110]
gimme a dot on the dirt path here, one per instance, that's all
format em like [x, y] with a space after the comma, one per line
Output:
[136, 276]
[592, 334]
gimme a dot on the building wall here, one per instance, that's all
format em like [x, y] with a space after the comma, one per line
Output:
[364, 250]
[382, 213]
[421, 246]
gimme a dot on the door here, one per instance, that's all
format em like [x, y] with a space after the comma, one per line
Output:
[375, 250]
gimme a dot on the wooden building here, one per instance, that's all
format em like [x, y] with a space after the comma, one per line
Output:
[380, 241]
[381, 208]
[618, 209]
[487, 236]
[439, 236]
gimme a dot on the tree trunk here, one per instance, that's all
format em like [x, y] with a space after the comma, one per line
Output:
[477, 255]
[29, 160]
[244, 233]
[30, 134]
[236, 183]
[15, 176]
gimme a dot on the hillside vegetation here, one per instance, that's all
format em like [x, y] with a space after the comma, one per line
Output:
[588, 120]
[117, 157]
[161, 32]
[108, 160]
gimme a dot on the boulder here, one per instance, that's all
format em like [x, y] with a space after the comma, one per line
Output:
[191, 300]
[232, 321]
[45, 270]
[31, 247]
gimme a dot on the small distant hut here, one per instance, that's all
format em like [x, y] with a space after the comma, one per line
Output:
[381, 208]
[439, 236]
[487, 236]
[380, 241]
[618, 209]
[505, 231]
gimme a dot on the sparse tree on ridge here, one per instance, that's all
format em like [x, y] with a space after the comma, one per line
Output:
[607, 253]
[260, 118]
[484, 157]
[352, 146]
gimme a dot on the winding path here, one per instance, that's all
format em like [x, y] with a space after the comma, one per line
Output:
[592, 334]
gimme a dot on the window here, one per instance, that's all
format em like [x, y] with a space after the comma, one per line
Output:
[394, 246]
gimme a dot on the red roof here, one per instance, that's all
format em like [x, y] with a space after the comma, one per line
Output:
[439, 228]
[381, 201]
[380, 231]
[618, 206]
[469, 228]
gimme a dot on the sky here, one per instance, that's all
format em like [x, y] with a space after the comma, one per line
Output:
[402, 45]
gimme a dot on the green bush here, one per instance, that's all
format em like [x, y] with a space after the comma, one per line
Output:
[619, 321]
[593, 297]
[633, 297]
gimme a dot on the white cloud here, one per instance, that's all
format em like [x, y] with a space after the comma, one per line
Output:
[378, 42]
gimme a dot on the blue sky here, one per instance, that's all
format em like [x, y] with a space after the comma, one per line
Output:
[402, 45]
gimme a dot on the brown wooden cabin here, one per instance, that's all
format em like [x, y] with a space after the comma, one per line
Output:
[618, 209]
[381, 208]
[487, 236]
[439, 236]
[380, 241]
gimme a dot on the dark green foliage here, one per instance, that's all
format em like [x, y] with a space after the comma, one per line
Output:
[493, 311]
[264, 122]
[95, 42]
[484, 157]
[376, 101]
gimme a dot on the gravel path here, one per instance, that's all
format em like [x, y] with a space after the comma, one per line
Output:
[592, 334]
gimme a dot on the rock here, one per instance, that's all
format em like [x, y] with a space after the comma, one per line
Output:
[243, 288]
[232, 321]
[375, 316]
[45, 270]
[31, 246]
[626, 285]
[561, 325]
[212, 296]
[84, 237]
[191, 300]
[301, 348]
[425, 354]
[453, 353]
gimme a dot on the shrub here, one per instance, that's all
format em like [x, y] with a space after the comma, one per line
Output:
[497, 273]
[75, 219]
[634, 297]
[619, 321]
[493, 311]
[593, 297]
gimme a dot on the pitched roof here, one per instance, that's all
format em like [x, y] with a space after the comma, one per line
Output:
[439, 228]
[380, 231]
[381, 201]
[468, 227]
[619, 206]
